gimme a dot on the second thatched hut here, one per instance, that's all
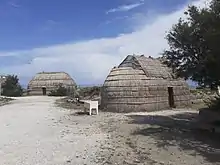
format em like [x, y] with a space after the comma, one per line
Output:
[44, 82]
[140, 83]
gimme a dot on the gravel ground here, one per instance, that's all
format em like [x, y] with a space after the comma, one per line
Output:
[158, 138]
[35, 131]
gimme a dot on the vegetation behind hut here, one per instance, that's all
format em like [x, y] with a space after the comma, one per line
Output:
[62, 91]
[89, 92]
[11, 87]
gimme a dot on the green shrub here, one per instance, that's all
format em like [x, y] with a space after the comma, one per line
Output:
[89, 91]
[11, 87]
[60, 91]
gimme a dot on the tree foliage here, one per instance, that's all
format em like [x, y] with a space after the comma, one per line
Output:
[11, 87]
[64, 91]
[60, 91]
[90, 91]
[194, 50]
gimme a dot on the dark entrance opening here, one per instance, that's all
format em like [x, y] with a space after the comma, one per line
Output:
[44, 90]
[171, 97]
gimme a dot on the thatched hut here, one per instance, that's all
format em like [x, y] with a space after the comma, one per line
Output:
[143, 84]
[44, 82]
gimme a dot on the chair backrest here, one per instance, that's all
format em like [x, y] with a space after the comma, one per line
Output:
[94, 104]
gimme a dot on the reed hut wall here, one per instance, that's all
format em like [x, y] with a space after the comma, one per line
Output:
[138, 87]
[50, 81]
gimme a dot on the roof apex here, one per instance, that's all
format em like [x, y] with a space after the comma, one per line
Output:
[50, 72]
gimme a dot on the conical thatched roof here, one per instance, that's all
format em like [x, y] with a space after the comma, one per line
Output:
[151, 66]
[50, 79]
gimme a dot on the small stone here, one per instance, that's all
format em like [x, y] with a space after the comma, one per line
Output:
[137, 161]
[68, 161]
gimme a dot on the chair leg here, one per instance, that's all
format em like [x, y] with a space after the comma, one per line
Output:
[90, 111]
[97, 111]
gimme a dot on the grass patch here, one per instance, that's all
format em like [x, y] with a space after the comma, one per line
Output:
[5, 100]
[63, 103]
[198, 106]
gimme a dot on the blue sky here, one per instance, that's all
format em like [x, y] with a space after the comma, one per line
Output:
[85, 38]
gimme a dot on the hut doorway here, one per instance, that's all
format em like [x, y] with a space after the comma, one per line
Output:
[171, 97]
[44, 90]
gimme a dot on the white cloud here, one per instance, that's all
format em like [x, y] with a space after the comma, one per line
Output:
[14, 4]
[117, 19]
[125, 7]
[90, 61]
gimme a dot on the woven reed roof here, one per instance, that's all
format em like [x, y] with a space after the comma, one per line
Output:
[49, 79]
[151, 66]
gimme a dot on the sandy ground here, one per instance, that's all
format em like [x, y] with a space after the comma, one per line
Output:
[35, 131]
[158, 138]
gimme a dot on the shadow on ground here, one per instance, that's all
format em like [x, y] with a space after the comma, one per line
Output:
[178, 130]
[79, 113]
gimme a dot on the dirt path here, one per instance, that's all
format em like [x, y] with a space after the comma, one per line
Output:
[35, 132]
[158, 138]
